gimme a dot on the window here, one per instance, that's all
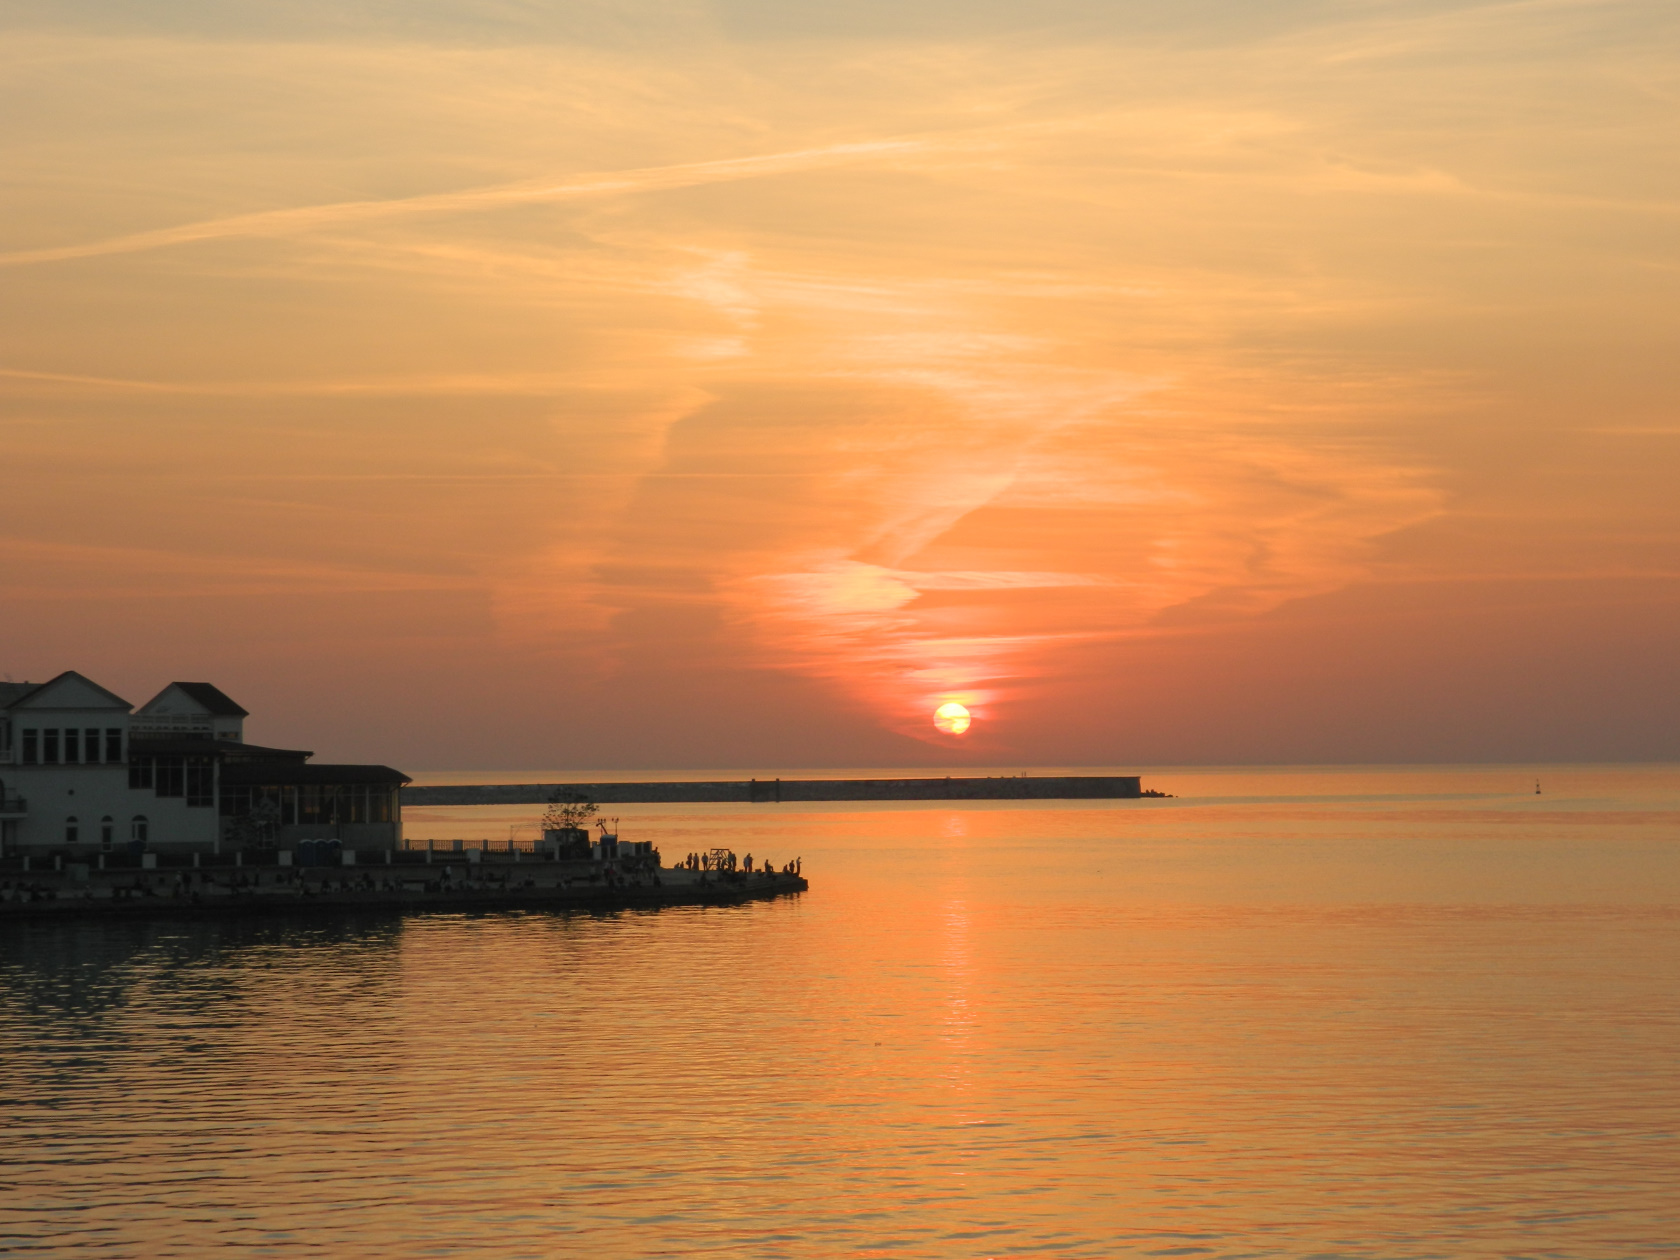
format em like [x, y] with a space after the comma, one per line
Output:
[170, 777]
[31, 747]
[379, 805]
[140, 772]
[113, 743]
[90, 744]
[5, 738]
[49, 747]
[107, 831]
[72, 746]
[70, 830]
[200, 781]
[138, 830]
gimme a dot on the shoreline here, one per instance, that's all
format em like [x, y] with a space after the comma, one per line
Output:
[63, 900]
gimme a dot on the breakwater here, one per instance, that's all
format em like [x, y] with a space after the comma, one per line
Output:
[771, 791]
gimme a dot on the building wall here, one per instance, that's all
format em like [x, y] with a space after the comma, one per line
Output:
[89, 789]
[82, 720]
[174, 712]
[188, 724]
[90, 794]
[352, 835]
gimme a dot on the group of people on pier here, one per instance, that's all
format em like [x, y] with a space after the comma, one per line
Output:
[724, 862]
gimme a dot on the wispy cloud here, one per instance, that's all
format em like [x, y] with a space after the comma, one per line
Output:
[301, 219]
[1096, 343]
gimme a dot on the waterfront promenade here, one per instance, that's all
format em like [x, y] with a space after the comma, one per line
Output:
[454, 882]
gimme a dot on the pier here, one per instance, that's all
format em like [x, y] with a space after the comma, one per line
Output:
[773, 791]
[395, 880]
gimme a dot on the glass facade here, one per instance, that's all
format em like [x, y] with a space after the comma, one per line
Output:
[312, 804]
[169, 776]
[190, 778]
[200, 782]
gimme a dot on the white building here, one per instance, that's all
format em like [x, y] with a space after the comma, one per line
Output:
[82, 771]
[191, 709]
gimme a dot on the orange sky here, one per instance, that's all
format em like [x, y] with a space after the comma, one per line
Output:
[730, 384]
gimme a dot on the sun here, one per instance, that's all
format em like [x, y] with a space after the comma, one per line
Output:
[952, 718]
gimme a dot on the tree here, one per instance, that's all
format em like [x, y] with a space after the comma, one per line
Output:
[568, 811]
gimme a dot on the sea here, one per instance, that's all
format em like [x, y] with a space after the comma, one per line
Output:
[1283, 1012]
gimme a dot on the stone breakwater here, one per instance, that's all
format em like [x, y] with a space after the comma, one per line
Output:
[453, 886]
[771, 791]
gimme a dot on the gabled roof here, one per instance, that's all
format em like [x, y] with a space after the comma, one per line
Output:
[68, 678]
[210, 698]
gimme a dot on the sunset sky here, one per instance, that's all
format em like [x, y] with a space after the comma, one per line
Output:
[730, 383]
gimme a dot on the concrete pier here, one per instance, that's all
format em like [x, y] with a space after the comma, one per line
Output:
[771, 791]
[450, 883]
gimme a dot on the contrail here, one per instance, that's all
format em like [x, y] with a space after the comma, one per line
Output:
[303, 218]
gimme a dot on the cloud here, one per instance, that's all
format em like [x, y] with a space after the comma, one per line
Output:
[301, 219]
[1103, 341]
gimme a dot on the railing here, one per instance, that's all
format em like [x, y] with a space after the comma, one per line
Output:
[484, 845]
[412, 853]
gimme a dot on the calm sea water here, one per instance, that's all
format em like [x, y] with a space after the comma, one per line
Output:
[1377, 1012]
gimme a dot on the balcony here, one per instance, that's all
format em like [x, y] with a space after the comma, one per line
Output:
[13, 807]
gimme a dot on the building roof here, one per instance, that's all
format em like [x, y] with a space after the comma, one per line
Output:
[227, 750]
[14, 694]
[11, 691]
[295, 773]
[212, 699]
